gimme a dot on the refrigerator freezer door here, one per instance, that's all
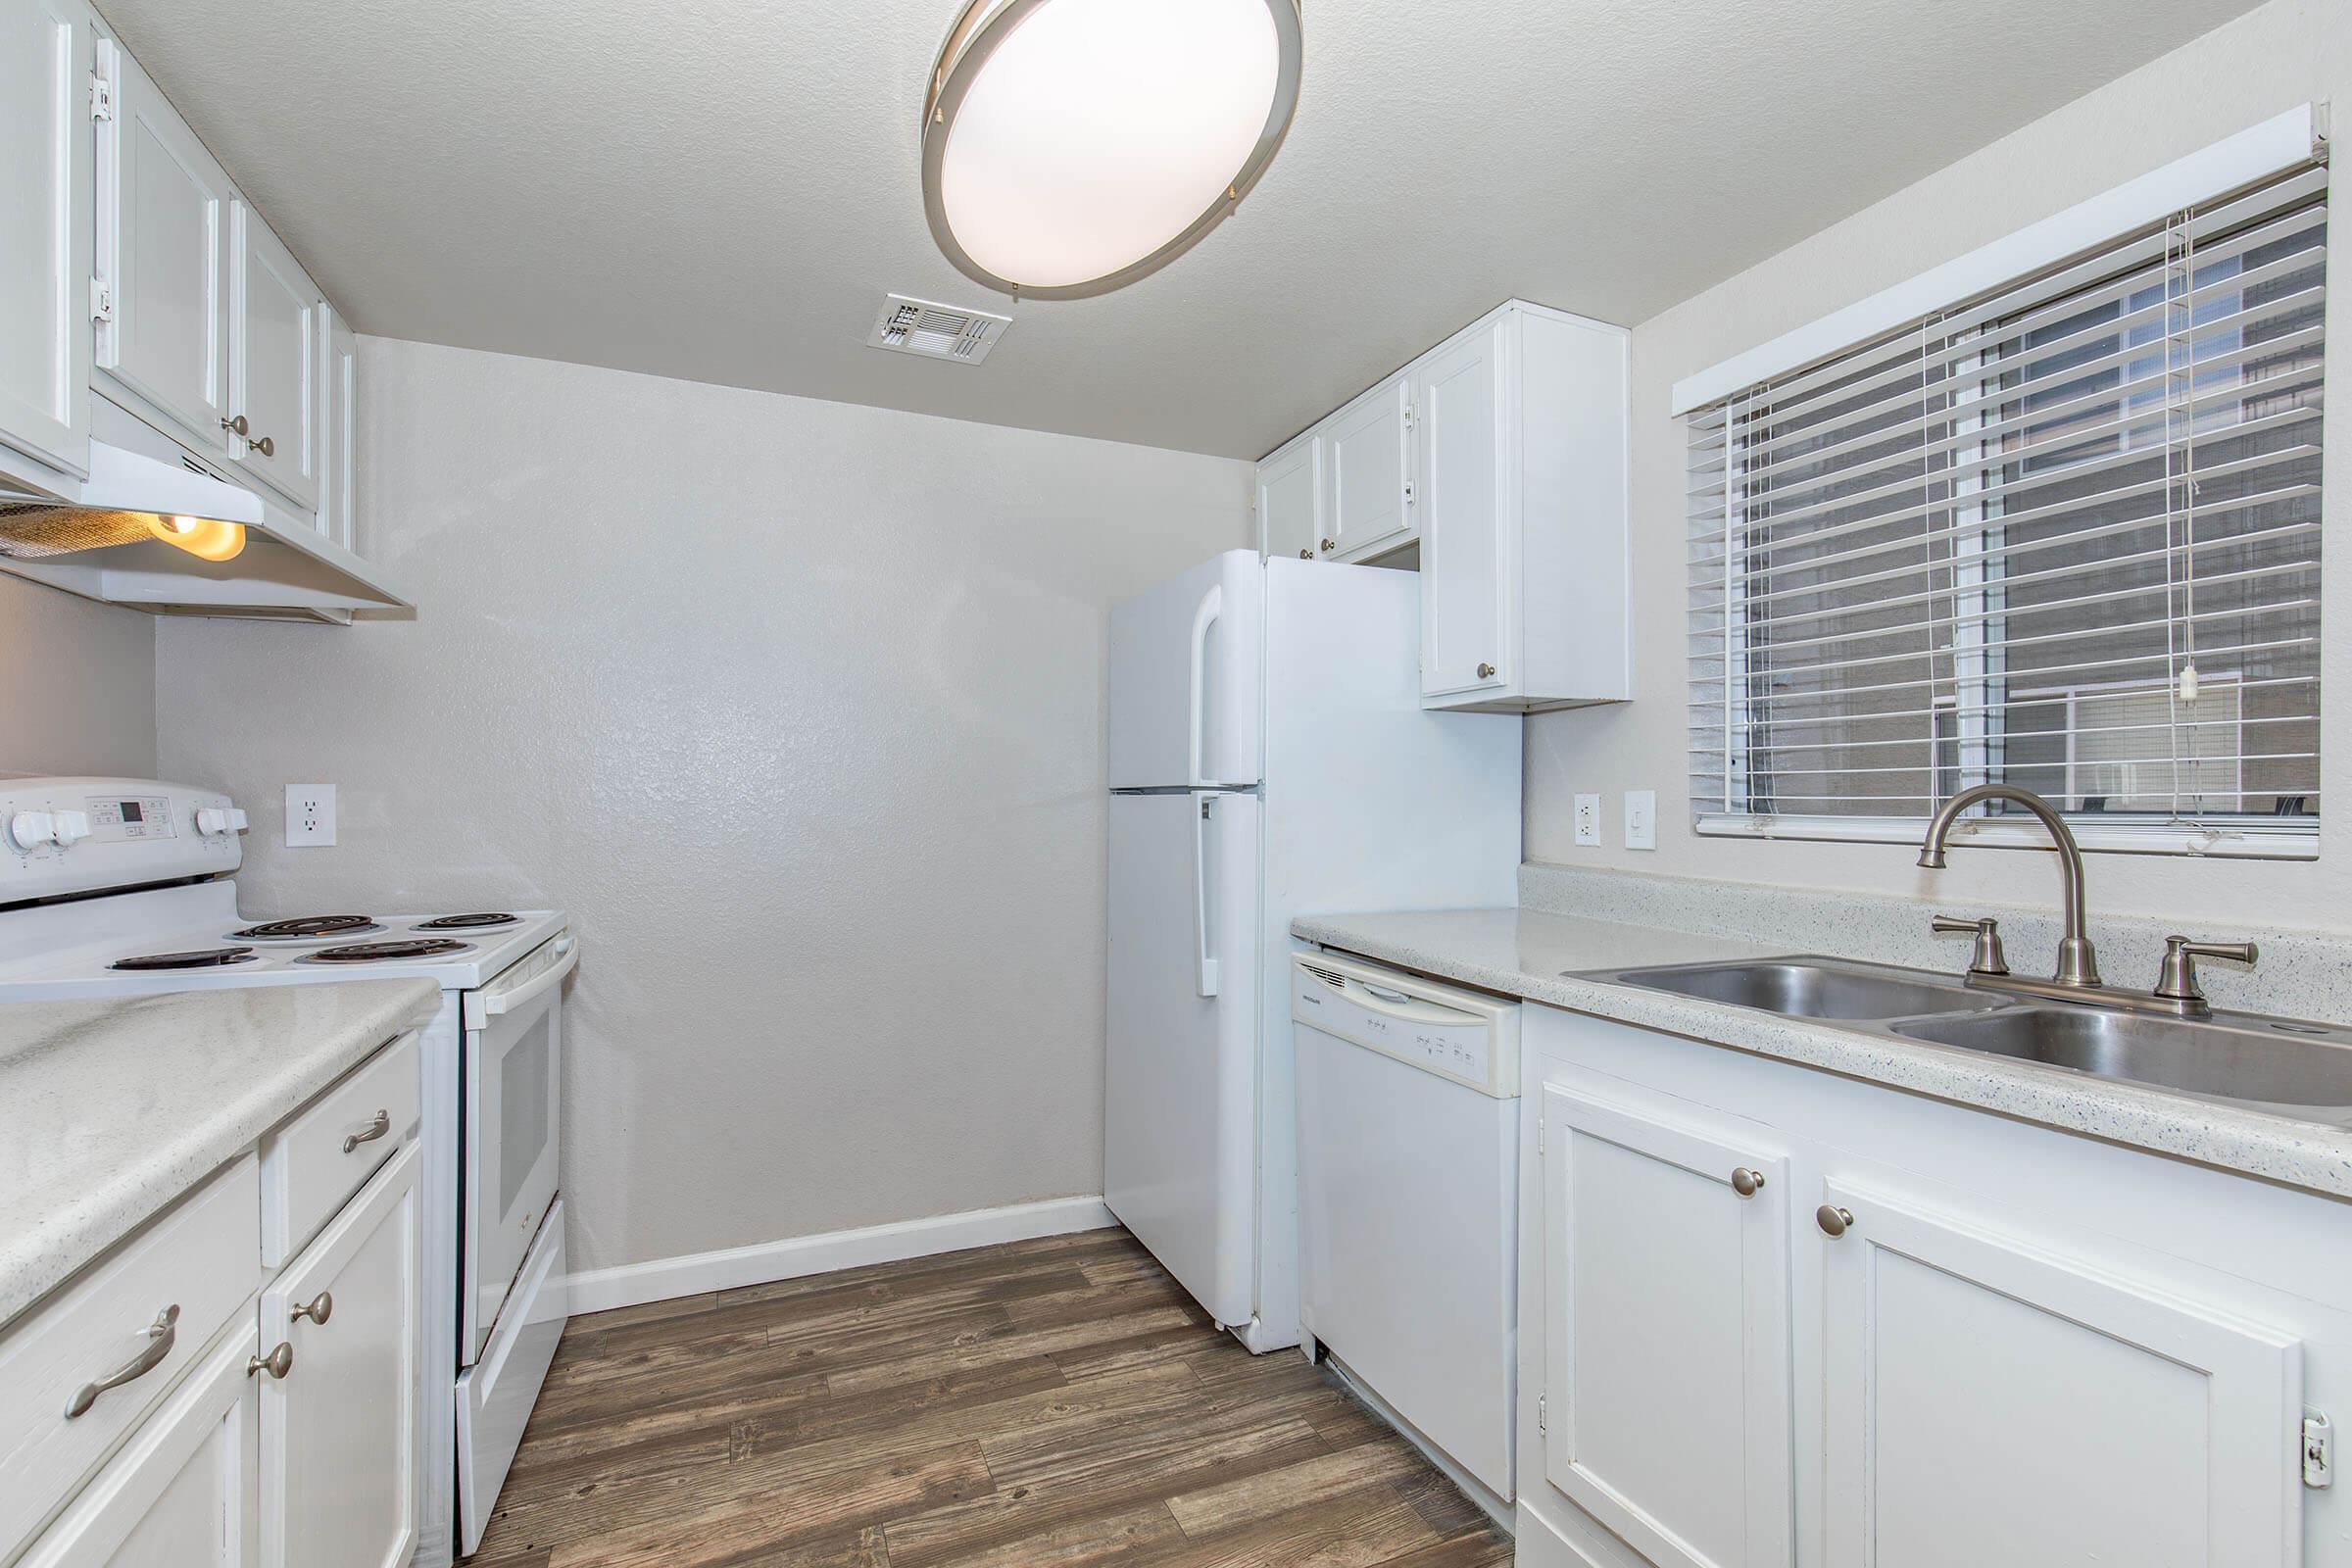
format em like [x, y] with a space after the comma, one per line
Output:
[1184, 678]
[1180, 1113]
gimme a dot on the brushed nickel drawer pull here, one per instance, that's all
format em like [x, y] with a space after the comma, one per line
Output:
[161, 1335]
[370, 1133]
[278, 1363]
[319, 1309]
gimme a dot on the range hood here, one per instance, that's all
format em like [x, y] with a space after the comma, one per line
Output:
[98, 537]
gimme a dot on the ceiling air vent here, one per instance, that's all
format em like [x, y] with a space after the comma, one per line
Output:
[937, 332]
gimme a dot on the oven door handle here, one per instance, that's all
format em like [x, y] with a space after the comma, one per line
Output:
[498, 1001]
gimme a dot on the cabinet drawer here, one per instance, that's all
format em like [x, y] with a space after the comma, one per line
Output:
[199, 1259]
[321, 1156]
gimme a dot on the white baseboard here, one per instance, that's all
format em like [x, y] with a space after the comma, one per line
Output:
[600, 1290]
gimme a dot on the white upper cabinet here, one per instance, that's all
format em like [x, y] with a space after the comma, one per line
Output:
[1370, 483]
[1467, 636]
[1289, 498]
[1525, 515]
[163, 261]
[1666, 1389]
[1500, 457]
[2113, 1422]
[275, 321]
[339, 432]
[47, 154]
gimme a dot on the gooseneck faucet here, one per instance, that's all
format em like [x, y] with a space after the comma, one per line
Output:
[2077, 959]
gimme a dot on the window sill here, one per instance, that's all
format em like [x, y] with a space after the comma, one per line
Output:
[2247, 842]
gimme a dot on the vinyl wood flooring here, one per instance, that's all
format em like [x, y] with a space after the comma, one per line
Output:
[1059, 1402]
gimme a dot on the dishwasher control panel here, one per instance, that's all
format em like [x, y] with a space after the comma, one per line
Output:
[1467, 1035]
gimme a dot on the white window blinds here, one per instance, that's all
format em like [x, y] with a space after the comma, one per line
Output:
[2065, 536]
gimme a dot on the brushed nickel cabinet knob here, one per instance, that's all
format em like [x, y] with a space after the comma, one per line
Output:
[1486, 673]
[1747, 1183]
[278, 1363]
[319, 1309]
[1833, 1220]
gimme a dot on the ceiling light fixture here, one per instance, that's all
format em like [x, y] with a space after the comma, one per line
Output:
[1072, 146]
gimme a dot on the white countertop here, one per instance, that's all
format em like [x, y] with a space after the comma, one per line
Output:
[1529, 954]
[108, 1110]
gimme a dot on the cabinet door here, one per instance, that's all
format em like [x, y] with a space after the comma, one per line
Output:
[180, 1495]
[163, 227]
[1464, 499]
[339, 432]
[273, 322]
[1368, 442]
[1289, 498]
[47, 155]
[1666, 1332]
[339, 1430]
[1987, 1402]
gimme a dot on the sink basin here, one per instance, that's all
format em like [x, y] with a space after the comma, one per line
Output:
[1806, 988]
[2238, 1058]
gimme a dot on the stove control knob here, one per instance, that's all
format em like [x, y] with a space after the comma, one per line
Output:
[72, 828]
[212, 820]
[29, 830]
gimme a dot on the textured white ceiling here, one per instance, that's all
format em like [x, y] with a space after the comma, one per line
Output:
[724, 190]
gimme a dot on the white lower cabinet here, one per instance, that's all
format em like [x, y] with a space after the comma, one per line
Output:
[1987, 1402]
[339, 1430]
[238, 1427]
[181, 1494]
[1848, 1327]
[1666, 1326]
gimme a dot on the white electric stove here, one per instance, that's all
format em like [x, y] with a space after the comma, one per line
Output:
[124, 887]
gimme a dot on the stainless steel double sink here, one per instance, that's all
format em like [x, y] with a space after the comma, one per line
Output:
[2283, 1065]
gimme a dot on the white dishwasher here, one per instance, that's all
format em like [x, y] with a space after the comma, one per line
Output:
[1408, 1197]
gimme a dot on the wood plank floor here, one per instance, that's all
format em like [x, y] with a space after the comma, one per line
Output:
[1056, 1403]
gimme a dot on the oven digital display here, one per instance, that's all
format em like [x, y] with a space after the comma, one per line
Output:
[118, 821]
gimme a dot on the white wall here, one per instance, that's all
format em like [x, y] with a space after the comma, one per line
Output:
[796, 707]
[76, 684]
[2286, 53]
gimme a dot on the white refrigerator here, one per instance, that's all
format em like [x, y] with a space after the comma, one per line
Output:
[1268, 758]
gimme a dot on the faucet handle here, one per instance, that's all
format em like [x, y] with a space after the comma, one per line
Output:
[2176, 981]
[1988, 958]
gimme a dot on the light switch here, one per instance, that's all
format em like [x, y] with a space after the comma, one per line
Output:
[1587, 819]
[310, 815]
[1640, 820]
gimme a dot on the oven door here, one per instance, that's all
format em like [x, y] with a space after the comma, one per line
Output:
[513, 1077]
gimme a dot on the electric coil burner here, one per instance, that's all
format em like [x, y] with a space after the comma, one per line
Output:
[306, 927]
[201, 958]
[485, 921]
[387, 952]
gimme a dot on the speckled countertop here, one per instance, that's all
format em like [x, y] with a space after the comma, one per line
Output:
[1531, 953]
[111, 1109]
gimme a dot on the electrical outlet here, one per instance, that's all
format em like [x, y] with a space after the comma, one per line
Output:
[1640, 820]
[310, 815]
[1587, 819]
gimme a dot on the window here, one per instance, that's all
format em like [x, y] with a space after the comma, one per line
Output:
[2065, 535]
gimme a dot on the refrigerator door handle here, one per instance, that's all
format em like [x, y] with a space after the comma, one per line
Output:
[1205, 964]
[1211, 608]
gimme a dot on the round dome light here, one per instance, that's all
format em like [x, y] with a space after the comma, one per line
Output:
[1072, 146]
